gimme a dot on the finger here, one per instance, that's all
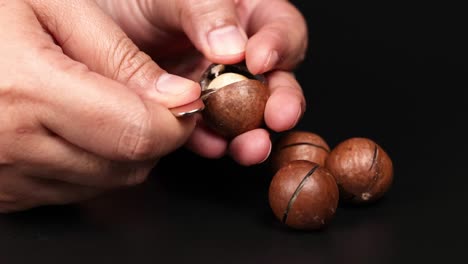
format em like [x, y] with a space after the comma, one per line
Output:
[283, 110]
[279, 37]
[211, 25]
[250, 148]
[89, 36]
[206, 143]
[52, 158]
[19, 192]
[103, 116]
[286, 104]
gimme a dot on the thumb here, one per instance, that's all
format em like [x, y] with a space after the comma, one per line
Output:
[89, 36]
[213, 26]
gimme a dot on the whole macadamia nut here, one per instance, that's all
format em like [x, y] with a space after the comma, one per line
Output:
[303, 195]
[234, 99]
[362, 169]
[298, 145]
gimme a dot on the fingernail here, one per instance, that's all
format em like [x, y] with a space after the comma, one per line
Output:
[188, 109]
[298, 117]
[268, 155]
[173, 84]
[271, 61]
[229, 40]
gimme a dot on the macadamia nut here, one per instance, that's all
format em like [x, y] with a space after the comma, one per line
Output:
[303, 195]
[362, 169]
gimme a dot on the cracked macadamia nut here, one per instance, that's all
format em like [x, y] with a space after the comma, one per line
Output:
[362, 169]
[234, 99]
[299, 145]
[303, 195]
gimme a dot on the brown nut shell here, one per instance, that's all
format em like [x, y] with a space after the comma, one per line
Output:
[236, 108]
[299, 145]
[303, 195]
[362, 169]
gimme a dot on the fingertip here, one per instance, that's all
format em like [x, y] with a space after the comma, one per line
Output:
[251, 148]
[172, 90]
[263, 52]
[263, 62]
[283, 111]
[280, 27]
[206, 144]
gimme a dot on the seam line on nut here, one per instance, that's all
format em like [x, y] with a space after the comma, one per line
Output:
[306, 143]
[296, 193]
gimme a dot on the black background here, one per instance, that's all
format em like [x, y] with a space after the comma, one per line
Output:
[392, 72]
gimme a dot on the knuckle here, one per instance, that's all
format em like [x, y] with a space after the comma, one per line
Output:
[129, 63]
[137, 141]
[195, 10]
[12, 90]
[207, 12]
[15, 135]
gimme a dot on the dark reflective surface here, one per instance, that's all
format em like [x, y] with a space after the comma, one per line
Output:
[396, 74]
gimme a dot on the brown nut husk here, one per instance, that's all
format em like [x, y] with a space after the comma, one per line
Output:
[298, 145]
[362, 169]
[236, 107]
[303, 195]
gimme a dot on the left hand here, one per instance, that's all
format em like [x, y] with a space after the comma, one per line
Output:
[185, 36]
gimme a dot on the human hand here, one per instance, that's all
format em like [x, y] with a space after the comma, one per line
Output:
[82, 109]
[177, 35]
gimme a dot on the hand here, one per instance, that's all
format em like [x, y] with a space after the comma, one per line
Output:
[184, 36]
[82, 109]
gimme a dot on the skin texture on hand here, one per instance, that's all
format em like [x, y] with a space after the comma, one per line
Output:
[271, 35]
[85, 88]
[83, 109]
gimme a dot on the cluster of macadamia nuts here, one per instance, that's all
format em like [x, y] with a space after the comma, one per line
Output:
[310, 179]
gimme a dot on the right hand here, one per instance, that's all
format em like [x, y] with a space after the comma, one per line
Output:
[270, 35]
[74, 126]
